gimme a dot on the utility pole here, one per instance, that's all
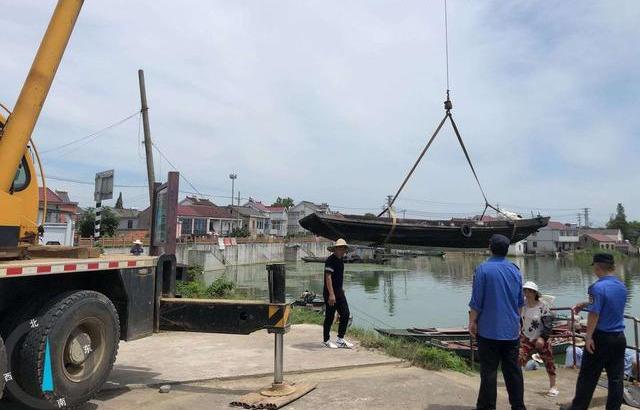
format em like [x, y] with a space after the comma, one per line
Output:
[148, 146]
[586, 217]
[233, 178]
[579, 220]
[239, 223]
[389, 199]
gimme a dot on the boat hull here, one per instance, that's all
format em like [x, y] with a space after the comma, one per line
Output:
[443, 234]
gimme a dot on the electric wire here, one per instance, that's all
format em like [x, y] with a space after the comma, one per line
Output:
[92, 135]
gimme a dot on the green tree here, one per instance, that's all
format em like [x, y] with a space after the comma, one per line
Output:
[240, 233]
[633, 231]
[285, 202]
[108, 223]
[619, 221]
[119, 202]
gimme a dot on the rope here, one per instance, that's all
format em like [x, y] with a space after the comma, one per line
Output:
[466, 154]
[406, 179]
[351, 305]
[446, 42]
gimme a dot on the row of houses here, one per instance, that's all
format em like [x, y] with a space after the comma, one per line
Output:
[201, 217]
[558, 237]
[196, 216]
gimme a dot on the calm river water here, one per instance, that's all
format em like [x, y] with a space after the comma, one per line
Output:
[430, 291]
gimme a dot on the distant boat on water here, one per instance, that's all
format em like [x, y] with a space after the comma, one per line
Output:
[453, 233]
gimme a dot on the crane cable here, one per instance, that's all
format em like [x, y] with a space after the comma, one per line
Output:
[448, 106]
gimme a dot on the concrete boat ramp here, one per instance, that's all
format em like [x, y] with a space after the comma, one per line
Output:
[208, 371]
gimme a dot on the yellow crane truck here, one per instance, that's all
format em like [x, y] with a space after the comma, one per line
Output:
[62, 317]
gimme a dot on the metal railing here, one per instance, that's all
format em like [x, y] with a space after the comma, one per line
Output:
[636, 346]
[636, 335]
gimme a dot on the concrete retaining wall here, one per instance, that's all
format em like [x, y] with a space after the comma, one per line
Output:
[211, 257]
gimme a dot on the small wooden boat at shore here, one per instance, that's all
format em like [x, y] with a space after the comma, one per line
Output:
[423, 335]
[347, 259]
[463, 347]
[453, 233]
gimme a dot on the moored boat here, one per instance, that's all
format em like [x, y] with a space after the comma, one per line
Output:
[453, 233]
[346, 259]
[423, 335]
[463, 347]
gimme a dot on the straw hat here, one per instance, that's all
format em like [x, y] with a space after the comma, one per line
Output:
[339, 242]
[531, 286]
[137, 242]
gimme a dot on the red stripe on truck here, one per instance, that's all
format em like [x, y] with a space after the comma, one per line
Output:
[14, 271]
[43, 269]
[131, 263]
[93, 265]
[113, 264]
[69, 267]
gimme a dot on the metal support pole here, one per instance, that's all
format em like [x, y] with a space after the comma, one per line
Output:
[278, 377]
[573, 337]
[637, 346]
[277, 273]
[148, 145]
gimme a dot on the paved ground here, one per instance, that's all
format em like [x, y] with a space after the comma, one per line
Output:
[209, 371]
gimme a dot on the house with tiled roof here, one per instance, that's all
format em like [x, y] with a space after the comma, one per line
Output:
[299, 211]
[201, 217]
[598, 240]
[257, 222]
[278, 217]
[555, 237]
[59, 207]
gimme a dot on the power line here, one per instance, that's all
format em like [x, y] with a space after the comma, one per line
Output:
[174, 167]
[77, 181]
[92, 135]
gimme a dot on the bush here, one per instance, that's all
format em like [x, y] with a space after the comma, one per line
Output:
[191, 290]
[194, 273]
[220, 287]
[240, 233]
[194, 286]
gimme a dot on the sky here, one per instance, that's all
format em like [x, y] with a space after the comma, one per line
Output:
[332, 101]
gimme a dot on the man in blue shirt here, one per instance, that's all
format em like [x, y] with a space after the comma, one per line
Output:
[604, 340]
[494, 320]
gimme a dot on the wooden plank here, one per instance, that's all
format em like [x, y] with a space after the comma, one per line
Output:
[258, 401]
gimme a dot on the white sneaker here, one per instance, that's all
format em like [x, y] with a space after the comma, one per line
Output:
[553, 392]
[342, 343]
[330, 344]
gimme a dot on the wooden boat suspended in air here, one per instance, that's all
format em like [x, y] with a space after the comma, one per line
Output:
[453, 233]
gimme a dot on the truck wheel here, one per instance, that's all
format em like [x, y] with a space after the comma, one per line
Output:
[3, 366]
[83, 332]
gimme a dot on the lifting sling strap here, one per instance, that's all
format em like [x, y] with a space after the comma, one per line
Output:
[448, 106]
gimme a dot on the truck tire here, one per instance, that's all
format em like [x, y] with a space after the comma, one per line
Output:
[83, 332]
[3, 366]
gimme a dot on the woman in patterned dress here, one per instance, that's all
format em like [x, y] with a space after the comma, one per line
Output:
[536, 329]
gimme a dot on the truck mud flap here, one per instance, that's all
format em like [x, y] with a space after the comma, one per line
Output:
[223, 316]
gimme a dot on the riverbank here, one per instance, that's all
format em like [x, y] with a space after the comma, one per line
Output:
[208, 371]
[414, 353]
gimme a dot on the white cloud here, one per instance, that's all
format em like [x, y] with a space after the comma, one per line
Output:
[331, 101]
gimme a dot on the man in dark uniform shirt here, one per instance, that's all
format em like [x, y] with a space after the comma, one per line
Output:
[605, 341]
[334, 297]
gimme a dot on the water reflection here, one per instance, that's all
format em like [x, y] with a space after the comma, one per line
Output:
[430, 290]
